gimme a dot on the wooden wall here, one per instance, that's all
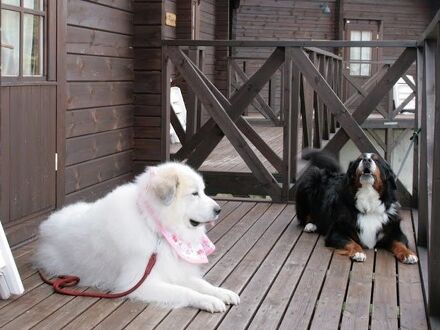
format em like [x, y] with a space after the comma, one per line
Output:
[149, 125]
[401, 19]
[304, 19]
[100, 82]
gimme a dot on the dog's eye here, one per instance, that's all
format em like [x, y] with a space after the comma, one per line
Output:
[195, 193]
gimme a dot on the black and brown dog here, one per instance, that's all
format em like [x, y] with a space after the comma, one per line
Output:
[355, 210]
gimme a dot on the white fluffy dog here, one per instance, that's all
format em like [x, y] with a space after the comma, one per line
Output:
[108, 243]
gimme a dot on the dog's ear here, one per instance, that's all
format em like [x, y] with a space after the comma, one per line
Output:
[165, 188]
[351, 170]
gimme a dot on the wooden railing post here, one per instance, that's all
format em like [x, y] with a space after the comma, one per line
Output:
[286, 115]
[434, 232]
[426, 141]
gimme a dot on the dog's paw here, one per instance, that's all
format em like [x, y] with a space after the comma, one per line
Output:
[359, 257]
[410, 259]
[212, 305]
[310, 228]
[227, 296]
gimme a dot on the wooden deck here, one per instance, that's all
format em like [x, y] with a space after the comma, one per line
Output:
[226, 159]
[286, 279]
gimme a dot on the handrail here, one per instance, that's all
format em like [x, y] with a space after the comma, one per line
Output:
[311, 49]
[292, 43]
[430, 32]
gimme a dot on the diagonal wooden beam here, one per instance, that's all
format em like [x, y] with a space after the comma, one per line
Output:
[409, 83]
[364, 109]
[363, 92]
[244, 127]
[372, 81]
[334, 104]
[267, 110]
[209, 135]
[221, 117]
[403, 104]
[175, 122]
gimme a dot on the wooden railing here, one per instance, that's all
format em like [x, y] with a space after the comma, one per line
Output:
[310, 90]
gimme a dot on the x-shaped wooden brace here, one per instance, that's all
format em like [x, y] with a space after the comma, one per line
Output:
[350, 123]
[198, 148]
[374, 97]
[225, 114]
[265, 108]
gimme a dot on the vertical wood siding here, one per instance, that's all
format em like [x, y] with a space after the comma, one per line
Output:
[100, 84]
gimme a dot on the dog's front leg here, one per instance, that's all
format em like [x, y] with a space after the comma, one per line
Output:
[227, 296]
[178, 296]
[403, 253]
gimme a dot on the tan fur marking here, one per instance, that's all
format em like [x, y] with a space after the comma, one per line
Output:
[400, 250]
[350, 249]
[378, 184]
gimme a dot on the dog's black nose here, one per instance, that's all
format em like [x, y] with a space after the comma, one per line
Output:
[217, 210]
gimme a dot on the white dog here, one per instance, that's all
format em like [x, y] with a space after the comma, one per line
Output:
[108, 243]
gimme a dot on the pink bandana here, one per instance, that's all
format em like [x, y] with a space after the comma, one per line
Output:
[193, 253]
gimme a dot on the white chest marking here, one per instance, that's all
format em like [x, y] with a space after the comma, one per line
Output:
[372, 217]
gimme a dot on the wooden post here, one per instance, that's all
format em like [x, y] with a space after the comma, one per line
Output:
[434, 232]
[165, 116]
[426, 117]
[286, 111]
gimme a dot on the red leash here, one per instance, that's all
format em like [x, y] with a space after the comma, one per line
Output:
[61, 283]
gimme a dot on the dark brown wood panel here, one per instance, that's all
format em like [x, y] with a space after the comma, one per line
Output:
[98, 170]
[95, 120]
[98, 68]
[98, 94]
[96, 191]
[81, 40]
[98, 17]
[32, 121]
[100, 80]
[84, 148]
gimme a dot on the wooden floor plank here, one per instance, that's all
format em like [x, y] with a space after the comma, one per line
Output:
[330, 302]
[300, 309]
[95, 314]
[149, 318]
[24, 303]
[179, 318]
[227, 241]
[62, 316]
[384, 310]
[122, 316]
[227, 209]
[29, 284]
[23, 250]
[239, 316]
[228, 222]
[356, 314]
[253, 276]
[411, 301]
[38, 312]
[275, 303]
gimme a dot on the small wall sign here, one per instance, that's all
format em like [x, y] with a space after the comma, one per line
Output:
[170, 19]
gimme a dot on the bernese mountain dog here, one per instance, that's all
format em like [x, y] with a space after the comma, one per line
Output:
[355, 210]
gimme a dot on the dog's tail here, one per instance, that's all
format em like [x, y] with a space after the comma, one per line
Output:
[322, 160]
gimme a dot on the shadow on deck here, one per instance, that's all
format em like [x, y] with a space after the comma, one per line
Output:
[286, 278]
